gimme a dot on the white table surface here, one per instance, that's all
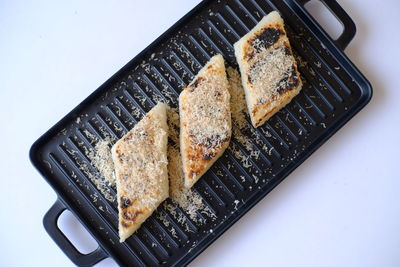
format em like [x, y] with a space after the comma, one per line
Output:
[339, 208]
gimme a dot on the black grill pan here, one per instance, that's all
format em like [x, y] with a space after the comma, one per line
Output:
[334, 91]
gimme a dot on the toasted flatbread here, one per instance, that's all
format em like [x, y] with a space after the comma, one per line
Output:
[205, 120]
[269, 72]
[140, 160]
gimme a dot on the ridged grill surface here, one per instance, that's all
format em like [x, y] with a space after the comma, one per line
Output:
[230, 186]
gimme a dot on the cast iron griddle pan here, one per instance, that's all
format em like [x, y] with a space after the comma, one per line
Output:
[333, 92]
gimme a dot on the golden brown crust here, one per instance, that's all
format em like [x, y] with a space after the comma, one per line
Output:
[270, 76]
[205, 120]
[260, 116]
[130, 213]
[201, 156]
[140, 160]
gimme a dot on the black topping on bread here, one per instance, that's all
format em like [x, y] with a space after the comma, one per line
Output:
[131, 216]
[266, 38]
[289, 82]
[287, 51]
[125, 202]
[208, 156]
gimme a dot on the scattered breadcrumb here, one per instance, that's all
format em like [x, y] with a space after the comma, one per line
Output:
[239, 122]
[98, 180]
[255, 178]
[95, 175]
[163, 218]
[102, 160]
[236, 202]
[238, 101]
[91, 136]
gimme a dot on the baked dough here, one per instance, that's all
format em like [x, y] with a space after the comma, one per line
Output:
[269, 72]
[205, 120]
[140, 160]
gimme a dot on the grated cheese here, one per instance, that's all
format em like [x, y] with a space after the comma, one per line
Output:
[269, 71]
[190, 201]
[140, 160]
[239, 122]
[163, 218]
[238, 101]
[101, 159]
[98, 180]
[266, 73]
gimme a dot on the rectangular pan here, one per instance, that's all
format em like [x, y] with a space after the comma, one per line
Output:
[334, 91]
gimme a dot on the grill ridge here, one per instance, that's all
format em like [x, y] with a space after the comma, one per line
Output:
[328, 99]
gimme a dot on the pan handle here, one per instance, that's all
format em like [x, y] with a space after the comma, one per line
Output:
[50, 224]
[349, 27]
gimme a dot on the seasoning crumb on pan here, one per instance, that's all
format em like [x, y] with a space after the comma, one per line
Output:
[239, 122]
[102, 160]
[163, 218]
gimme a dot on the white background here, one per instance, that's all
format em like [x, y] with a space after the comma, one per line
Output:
[340, 208]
